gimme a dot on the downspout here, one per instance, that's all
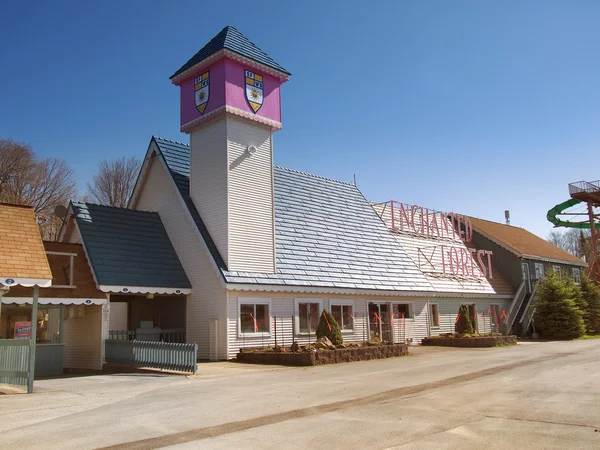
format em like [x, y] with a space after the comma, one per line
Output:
[428, 319]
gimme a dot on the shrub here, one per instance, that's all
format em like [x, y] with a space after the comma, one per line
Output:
[335, 335]
[464, 324]
[589, 298]
[557, 314]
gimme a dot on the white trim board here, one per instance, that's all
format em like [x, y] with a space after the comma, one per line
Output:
[144, 290]
[54, 301]
[354, 291]
[26, 282]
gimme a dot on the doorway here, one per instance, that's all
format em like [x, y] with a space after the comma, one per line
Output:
[526, 276]
[379, 322]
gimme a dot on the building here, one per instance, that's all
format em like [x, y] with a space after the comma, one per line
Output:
[68, 320]
[242, 252]
[524, 259]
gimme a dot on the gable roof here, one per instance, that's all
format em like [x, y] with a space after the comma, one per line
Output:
[22, 255]
[327, 235]
[229, 38]
[129, 250]
[522, 242]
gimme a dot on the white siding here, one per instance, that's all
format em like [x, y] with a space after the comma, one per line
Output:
[83, 340]
[208, 298]
[448, 310]
[74, 235]
[118, 316]
[283, 308]
[208, 179]
[251, 228]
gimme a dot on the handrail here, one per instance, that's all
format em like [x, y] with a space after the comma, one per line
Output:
[528, 313]
[520, 293]
[584, 186]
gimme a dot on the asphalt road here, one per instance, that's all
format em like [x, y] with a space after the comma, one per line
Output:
[534, 395]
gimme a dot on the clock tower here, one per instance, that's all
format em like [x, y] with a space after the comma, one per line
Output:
[230, 105]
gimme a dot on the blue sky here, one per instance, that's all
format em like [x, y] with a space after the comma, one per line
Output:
[466, 106]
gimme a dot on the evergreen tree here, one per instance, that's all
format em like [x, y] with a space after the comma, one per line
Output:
[557, 314]
[335, 334]
[464, 324]
[590, 295]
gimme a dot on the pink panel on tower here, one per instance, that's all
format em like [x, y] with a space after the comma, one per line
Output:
[236, 91]
[216, 96]
[227, 86]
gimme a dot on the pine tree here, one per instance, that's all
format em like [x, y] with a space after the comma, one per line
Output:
[557, 314]
[590, 294]
[335, 334]
[464, 324]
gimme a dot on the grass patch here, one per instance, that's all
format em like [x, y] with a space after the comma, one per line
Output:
[589, 336]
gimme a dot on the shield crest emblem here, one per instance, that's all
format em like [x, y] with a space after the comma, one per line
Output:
[254, 90]
[202, 91]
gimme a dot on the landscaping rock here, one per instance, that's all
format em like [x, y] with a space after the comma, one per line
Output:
[324, 342]
[312, 358]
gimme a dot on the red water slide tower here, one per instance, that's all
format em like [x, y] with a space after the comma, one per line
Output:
[589, 192]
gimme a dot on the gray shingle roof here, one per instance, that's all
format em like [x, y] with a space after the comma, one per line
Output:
[327, 234]
[231, 39]
[128, 248]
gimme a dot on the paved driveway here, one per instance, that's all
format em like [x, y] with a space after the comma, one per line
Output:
[537, 395]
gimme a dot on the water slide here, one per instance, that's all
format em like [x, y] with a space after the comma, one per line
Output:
[558, 209]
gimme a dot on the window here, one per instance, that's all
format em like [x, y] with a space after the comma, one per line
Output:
[255, 316]
[539, 271]
[308, 315]
[16, 323]
[576, 276]
[556, 270]
[61, 265]
[434, 314]
[402, 310]
[343, 315]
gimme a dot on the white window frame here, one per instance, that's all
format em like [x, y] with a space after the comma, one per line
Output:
[253, 301]
[576, 275]
[543, 273]
[297, 302]
[71, 262]
[556, 269]
[343, 302]
[435, 327]
[411, 309]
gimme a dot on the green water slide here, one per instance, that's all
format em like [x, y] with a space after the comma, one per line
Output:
[558, 209]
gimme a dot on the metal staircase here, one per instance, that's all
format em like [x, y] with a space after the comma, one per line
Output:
[529, 311]
[522, 309]
[517, 303]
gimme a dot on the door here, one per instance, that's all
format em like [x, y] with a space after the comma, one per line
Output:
[379, 322]
[526, 277]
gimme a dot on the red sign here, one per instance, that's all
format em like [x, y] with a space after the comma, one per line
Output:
[22, 330]
[436, 225]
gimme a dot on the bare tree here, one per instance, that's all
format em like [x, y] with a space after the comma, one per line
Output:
[571, 240]
[43, 184]
[114, 182]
